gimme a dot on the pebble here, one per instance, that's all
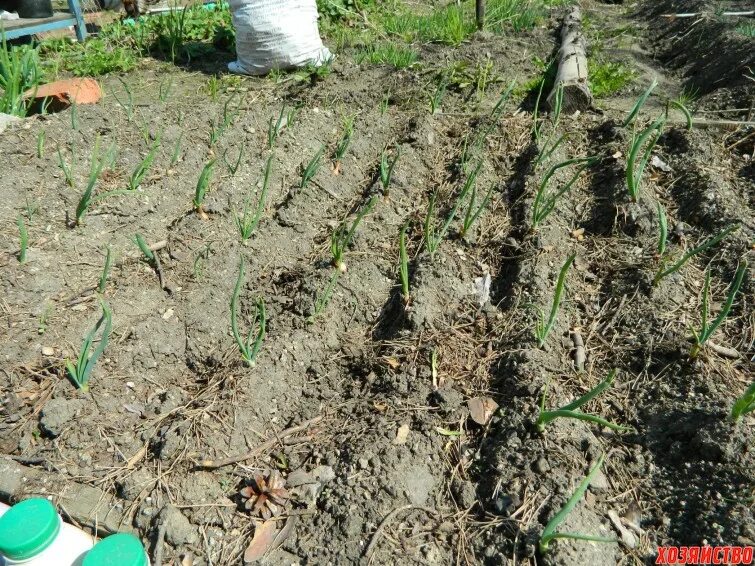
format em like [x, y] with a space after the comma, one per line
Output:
[364, 463]
[47, 351]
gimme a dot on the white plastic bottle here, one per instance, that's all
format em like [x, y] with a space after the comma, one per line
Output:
[33, 534]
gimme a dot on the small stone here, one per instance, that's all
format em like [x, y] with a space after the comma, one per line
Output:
[599, 482]
[364, 463]
[47, 351]
[542, 466]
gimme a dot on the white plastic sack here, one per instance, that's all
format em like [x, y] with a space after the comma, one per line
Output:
[275, 34]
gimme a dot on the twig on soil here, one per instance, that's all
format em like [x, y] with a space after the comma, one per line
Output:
[384, 523]
[160, 538]
[695, 14]
[213, 464]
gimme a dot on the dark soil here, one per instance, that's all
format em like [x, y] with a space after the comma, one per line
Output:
[170, 390]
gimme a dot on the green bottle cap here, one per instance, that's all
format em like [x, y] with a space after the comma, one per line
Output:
[122, 549]
[27, 528]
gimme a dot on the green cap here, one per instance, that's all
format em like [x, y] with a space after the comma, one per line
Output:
[122, 549]
[28, 528]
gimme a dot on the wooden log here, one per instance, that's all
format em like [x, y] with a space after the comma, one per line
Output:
[480, 13]
[572, 65]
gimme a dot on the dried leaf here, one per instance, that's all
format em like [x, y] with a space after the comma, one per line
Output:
[402, 434]
[481, 409]
[393, 362]
[264, 536]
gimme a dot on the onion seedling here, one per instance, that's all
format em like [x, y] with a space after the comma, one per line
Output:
[639, 104]
[545, 201]
[637, 162]
[234, 167]
[248, 222]
[386, 169]
[87, 198]
[403, 268]
[202, 183]
[550, 534]
[662, 230]
[129, 106]
[707, 329]
[80, 372]
[549, 147]
[343, 143]
[683, 109]
[248, 349]
[322, 300]
[498, 108]
[275, 127]
[105, 271]
[473, 213]
[148, 253]
[41, 144]
[572, 410]
[218, 128]
[311, 169]
[543, 328]
[176, 150]
[67, 169]
[433, 238]
[437, 97]
[341, 237]
[710, 242]
[23, 236]
[143, 168]
[745, 404]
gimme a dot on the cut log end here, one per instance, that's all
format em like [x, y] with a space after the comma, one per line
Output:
[572, 65]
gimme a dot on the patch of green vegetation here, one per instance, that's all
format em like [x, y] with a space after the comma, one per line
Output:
[454, 23]
[747, 29]
[388, 54]
[94, 57]
[608, 77]
[19, 72]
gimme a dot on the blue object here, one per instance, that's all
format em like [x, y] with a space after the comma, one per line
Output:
[30, 26]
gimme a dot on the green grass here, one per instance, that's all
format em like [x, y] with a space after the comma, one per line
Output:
[454, 23]
[608, 77]
[250, 345]
[746, 29]
[19, 71]
[398, 56]
[323, 299]
[543, 327]
[550, 534]
[572, 410]
[92, 58]
[80, 372]
[708, 328]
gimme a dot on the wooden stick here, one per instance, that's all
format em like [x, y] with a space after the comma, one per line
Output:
[267, 445]
[480, 13]
[572, 65]
[695, 14]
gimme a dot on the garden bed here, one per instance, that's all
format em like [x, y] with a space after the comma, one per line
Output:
[393, 465]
